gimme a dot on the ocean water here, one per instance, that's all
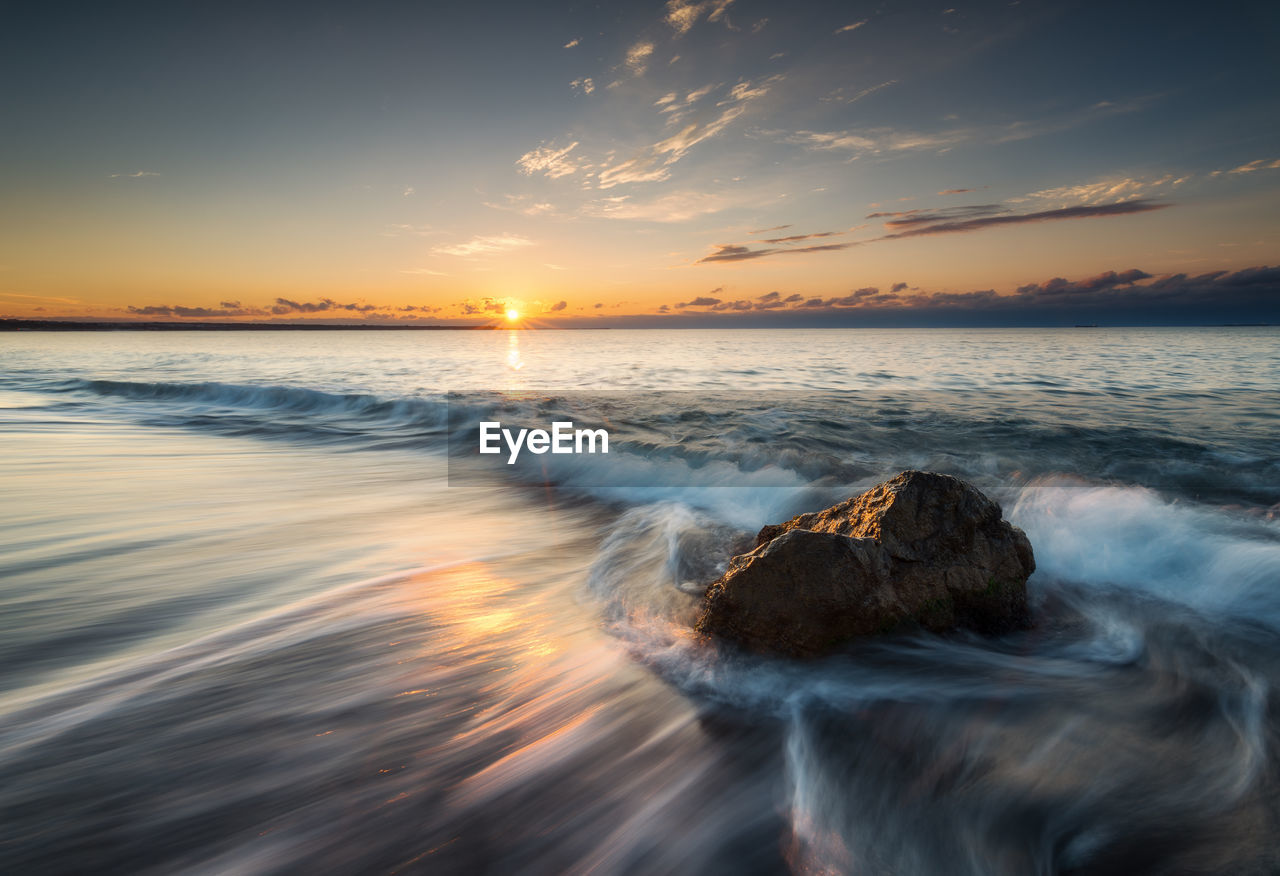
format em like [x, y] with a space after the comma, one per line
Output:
[258, 615]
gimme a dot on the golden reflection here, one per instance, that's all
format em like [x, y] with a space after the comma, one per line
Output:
[514, 362]
[479, 611]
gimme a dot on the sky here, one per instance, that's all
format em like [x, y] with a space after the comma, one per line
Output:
[714, 163]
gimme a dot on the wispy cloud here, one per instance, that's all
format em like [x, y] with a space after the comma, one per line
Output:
[897, 219]
[850, 27]
[682, 15]
[524, 205]
[963, 226]
[548, 160]
[734, 252]
[137, 174]
[923, 223]
[875, 141]
[1106, 191]
[843, 95]
[1259, 164]
[678, 206]
[586, 85]
[425, 271]
[638, 58]
[484, 245]
[573, 42]
[653, 163]
[40, 298]
[794, 237]
[401, 229]
[676, 108]
[887, 141]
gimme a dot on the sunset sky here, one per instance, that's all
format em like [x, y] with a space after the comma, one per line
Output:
[715, 163]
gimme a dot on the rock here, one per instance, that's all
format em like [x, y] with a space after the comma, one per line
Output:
[921, 549]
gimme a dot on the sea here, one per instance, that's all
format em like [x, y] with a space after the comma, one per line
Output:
[264, 610]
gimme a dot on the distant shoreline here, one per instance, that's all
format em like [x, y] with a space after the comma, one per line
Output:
[54, 325]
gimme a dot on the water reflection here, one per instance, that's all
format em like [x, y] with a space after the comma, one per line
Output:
[514, 362]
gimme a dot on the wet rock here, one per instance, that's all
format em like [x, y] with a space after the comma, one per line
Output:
[922, 549]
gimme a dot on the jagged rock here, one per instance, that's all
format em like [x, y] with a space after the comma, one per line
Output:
[921, 549]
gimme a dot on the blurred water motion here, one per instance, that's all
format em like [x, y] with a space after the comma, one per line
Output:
[248, 627]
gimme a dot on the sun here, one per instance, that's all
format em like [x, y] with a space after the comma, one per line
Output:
[512, 314]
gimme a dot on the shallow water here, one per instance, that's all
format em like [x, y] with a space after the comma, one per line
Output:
[256, 618]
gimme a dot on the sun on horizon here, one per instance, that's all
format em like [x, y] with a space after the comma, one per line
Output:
[512, 314]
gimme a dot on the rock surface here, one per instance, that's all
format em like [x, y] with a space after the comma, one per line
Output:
[921, 549]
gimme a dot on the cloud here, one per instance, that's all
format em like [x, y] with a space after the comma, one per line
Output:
[676, 108]
[638, 58]
[409, 191]
[850, 27]
[426, 271]
[547, 159]
[889, 141]
[1058, 287]
[486, 305]
[324, 305]
[484, 244]
[678, 206]
[926, 222]
[700, 301]
[41, 298]
[767, 230]
[1248, 294]
[403, 230]
[795, 237]
[225, 308]
[1105, 191]
[652, 163]
[839, 95]
[558, 306]
[682, 15]
[728, 252]
[961, 226]
[957, 191]
[586, 85]
[875, 141]
[573, 42]
[1259, 164]
[137, 174]
[908, 218]
[524, 205]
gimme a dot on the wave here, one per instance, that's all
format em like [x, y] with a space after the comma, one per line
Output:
[768, 448]
[1046, 751]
